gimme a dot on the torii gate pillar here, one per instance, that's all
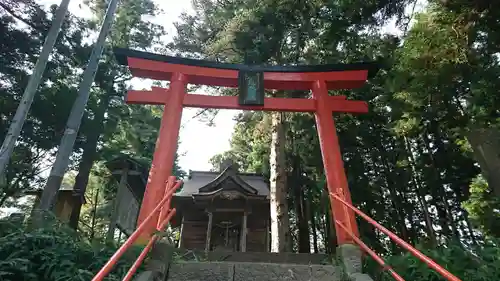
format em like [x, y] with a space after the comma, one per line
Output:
[166, 146]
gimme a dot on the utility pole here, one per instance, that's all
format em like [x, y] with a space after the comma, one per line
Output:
[75, 117]
[29, 92]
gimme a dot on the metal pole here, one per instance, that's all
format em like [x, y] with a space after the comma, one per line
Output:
[75, 117]
[29, 92]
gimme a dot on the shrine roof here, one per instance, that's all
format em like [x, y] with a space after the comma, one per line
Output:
[122, 54]
[64, 189]
[199, 179]
[34, 191]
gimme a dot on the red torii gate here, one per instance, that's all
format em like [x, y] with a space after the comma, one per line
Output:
[181, 71]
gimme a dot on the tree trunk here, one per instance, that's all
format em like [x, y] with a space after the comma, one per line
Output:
[418, 190]
[302, 223]
[446, 213]
[94, 214]
[311, 213]
[367, 231]
[469, 227]
[87, 161]
[280, 230]
[304, 235]
[485, 144]
[396, 201]
[3, 198]
[330, 235]
[465, 215]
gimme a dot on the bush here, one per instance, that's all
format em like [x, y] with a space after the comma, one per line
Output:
[53, 253]
[480, 263]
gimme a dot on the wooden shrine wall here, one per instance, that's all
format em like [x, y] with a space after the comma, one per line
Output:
[257, 230]
[128, 210]
[194, 230]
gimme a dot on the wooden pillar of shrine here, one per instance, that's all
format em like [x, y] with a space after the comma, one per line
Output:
[268, 240]
[209, 231]
[243, 241]
[181, 232]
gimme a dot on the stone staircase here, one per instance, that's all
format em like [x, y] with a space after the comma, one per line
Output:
[167, 263]
[260, 257]
[250, 271]
[236, 266]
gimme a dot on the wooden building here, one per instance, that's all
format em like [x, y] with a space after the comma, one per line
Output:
[64, 201]
[131, 176]
[223, 211]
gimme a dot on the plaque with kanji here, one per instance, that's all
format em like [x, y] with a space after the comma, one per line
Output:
[251, 88]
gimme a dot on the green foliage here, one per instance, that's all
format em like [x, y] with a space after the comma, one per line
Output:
[479, 263]
[484, 208]
[250, 147]
[53, 253]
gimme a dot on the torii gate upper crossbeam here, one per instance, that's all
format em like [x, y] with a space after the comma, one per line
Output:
[200, 72]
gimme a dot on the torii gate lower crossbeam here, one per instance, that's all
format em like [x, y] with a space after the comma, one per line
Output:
[180, 72]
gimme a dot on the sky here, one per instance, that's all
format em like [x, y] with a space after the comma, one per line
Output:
[199, 142]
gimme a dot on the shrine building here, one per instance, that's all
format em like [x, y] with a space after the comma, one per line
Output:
[216, 211]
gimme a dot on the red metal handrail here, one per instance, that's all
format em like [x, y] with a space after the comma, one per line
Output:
[445, 273]
[165, 215]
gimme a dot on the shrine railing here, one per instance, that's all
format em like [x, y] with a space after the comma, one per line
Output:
[165, 216]
[416, 253]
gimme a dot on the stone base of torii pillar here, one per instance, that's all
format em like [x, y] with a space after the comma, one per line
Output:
[351, 258]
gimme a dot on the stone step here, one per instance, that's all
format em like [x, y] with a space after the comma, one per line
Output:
[250, 271]
[262, 257]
